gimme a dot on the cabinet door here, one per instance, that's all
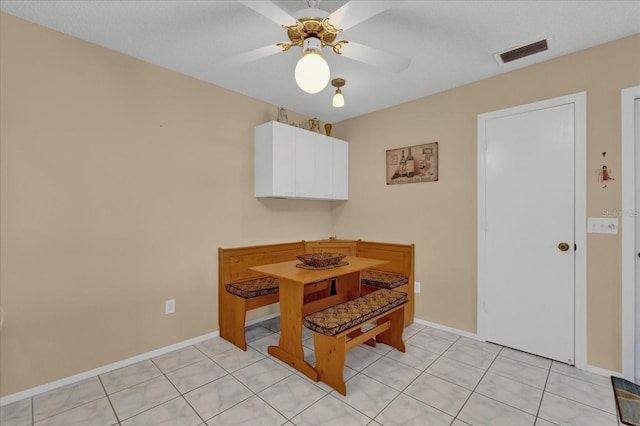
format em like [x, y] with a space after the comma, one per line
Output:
[305, 181]
[283, 161]
[340, 170]
[274, 160]
[323, 147]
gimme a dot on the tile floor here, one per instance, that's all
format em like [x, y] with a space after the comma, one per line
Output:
[442, 379]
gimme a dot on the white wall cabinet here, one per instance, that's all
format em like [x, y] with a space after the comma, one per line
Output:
[295, 163]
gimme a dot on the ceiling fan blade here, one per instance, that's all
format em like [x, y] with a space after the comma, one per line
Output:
[252, 55]
[355, 12]
[269, 10]
[375, 57]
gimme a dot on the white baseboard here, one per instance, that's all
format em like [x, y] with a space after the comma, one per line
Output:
[603, 372]
[445, 328]
[264, 318]
[589, 368]
[28, 393]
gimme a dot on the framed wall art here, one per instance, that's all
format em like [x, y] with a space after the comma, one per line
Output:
[413, 164]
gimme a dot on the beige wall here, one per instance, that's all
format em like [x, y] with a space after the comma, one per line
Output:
[119, 180]
[440, 217]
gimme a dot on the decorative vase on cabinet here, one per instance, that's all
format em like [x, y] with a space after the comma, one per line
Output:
[282, 116]
[314, 125]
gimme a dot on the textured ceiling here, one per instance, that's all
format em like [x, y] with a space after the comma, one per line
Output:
[449, 43]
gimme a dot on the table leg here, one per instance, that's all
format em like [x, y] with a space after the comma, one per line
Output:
[349, 283]
[289, 349]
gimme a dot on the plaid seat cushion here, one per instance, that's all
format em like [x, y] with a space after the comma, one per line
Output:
[382, 279]
[253, 288]
[343, 316]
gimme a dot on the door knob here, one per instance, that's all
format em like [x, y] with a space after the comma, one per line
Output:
[563, 246]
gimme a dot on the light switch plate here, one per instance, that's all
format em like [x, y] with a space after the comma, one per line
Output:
[602, 225]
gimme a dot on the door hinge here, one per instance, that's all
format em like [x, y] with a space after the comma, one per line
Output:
[575, 247]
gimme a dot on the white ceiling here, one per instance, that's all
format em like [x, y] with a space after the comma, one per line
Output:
[449, 43]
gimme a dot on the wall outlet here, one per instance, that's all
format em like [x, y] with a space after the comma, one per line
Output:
[416, 287]
[170, 306]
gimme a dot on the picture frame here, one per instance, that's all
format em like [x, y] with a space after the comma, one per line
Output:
[412, 164]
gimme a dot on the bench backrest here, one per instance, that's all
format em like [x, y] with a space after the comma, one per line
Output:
[234, 263]
[348, 247]
[399, 256]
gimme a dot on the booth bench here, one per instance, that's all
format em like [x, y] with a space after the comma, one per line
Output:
[241, 289]
[397, 274]
[333, 325]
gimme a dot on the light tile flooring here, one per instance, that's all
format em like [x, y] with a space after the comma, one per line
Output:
[442, 379]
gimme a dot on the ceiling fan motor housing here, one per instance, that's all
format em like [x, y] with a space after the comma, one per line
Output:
[312, 43]
[312, 27]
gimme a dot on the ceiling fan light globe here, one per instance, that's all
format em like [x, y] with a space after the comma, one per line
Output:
[338, 99]
[312, 72]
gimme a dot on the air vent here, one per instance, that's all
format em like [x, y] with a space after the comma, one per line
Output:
[522, 51]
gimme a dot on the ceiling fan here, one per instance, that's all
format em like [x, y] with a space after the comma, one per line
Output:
[313, 29]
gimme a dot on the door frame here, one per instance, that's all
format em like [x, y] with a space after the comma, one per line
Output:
[580, 214]
[628, 213]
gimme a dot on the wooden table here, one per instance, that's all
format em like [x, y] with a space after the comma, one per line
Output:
[292, 307]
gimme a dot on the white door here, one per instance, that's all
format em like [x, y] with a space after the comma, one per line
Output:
[528, 295]
[630, 186]
[637, 227]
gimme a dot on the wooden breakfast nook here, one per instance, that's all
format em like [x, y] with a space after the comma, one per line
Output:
[292, 309]
[370, 283]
